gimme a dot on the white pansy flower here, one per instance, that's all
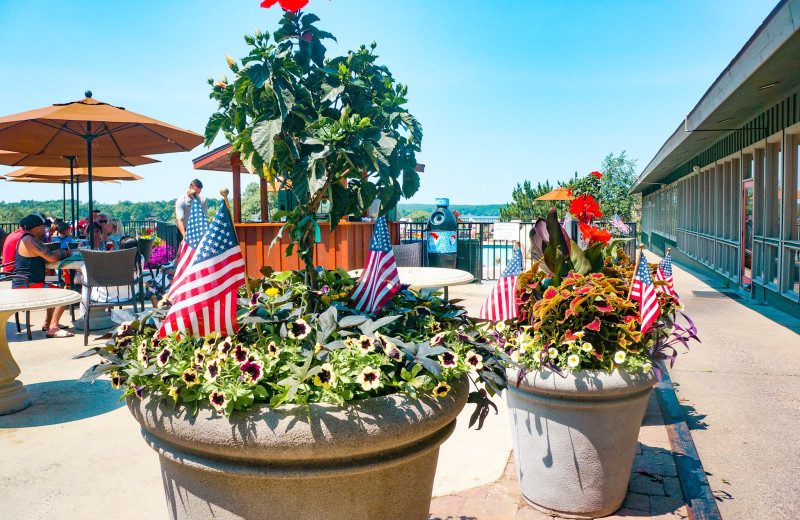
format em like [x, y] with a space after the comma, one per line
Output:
[552, 353]
[570, 344]
[573, 360]
[619, 357]
[587, 347]
[500, 327]
[579, 334]
[515, 356]
[646, 367]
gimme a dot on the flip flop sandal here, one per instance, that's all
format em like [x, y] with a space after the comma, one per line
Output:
[60, 326]
[60, 334]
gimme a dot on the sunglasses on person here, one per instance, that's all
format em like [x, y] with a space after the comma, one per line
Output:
[102, 221]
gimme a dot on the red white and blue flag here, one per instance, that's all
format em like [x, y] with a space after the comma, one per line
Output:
[501, 304]
[196, 228]
[565, 224]
[644, 292]
[379, 281]
[664, 274]
[619, 224]
[205, 301]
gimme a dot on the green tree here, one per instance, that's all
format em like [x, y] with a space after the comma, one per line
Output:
[251, 203]
[525, 206]
[419, 214]
[331, 128]
[619, 175]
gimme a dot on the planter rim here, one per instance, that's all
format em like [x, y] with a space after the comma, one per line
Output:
[581, 384]
[296, 434]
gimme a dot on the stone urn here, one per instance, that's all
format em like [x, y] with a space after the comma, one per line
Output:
[368, 459]
[575, 436]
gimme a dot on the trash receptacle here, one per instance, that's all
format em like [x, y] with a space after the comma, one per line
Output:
[442, 236]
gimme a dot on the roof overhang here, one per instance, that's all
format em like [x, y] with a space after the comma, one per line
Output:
[218, 159]
[763, 71]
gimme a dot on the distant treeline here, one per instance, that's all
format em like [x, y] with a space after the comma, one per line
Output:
[163, 210]
[483, 210]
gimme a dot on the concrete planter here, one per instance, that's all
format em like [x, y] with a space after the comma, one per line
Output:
[369, 459]
[575, 437]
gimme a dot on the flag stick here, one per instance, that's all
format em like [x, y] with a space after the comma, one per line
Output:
[668, 250]
[224, 192]
[635, 269]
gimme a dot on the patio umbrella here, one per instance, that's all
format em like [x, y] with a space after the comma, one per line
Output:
[99, 129]
[557, 194]
[26, 159]
[63, 180]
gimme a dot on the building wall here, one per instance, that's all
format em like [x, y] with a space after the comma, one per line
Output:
[700, 213]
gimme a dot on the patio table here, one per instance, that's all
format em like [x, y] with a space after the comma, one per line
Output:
[429, 277]
[13, 394]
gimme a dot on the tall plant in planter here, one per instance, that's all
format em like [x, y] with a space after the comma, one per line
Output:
[581, 367]
[332, 128]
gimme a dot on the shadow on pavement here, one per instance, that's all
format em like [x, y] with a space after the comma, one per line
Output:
[57, 402]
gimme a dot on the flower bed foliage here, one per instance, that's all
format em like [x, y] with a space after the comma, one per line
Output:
[161, 255]
[286, 353]
[575, 310]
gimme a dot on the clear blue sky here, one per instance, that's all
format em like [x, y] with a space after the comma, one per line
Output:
[505, 91]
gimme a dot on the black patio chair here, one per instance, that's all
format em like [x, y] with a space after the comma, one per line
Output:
[110, 270]
[408, 255]
[10, 276]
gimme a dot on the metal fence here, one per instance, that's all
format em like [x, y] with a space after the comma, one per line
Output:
[484, 257]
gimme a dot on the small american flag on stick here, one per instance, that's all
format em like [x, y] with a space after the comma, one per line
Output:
[664, 274]
[501, 304]
[205, 301]
[619, 224]
[379, 281]
[643, 291]
[196, 228]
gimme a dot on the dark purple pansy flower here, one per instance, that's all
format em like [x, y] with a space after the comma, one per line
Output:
[325, 289]
[299, 329]
[163, 357]
[117, 380]
[448, 359]
[240, 354]
[254, 298]
[139, 391]
[218, 400]
[212, 370]
[252, 372]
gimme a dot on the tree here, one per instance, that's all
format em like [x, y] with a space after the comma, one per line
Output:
[525, 206]
[251, 203]
[619, 175]
[328, 128]
[419, 214]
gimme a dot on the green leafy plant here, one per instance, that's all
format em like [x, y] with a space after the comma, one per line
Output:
[286, 352]
[328, 128]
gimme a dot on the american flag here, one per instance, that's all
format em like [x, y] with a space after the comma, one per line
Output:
[644, 292]
[205, 301]
[379, 281]
[619, 224]
[501, 304]
[565, 224]
[196, 228]
[664, 274]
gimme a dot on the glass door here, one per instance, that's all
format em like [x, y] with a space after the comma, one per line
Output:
[747, 234]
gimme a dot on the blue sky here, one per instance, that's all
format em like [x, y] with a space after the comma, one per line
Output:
[505, 91]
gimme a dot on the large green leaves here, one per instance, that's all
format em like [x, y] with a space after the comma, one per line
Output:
[263, 137]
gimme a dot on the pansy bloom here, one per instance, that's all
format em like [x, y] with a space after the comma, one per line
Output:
[189, 377]
[448, 359]
[252, 372]
[117, 380]
[299, 329]
[552, 353]
[254, 298]
[325, 377]
[619, 357]
[439, 338]
[212, 370]
[199, 357]
[218, 400]
[141, 353]
[441, 389]
[224, 348]
[587, 347]
[273, 350]
[365, 344]
[573, 360]
[393, 351]
[474, 360]
[173, 392]
[163, 357]
[369, 378]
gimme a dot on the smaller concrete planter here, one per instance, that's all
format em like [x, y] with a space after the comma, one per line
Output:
[367, 459]
[575, 437]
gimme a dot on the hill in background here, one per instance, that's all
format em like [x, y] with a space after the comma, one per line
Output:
[416, 211]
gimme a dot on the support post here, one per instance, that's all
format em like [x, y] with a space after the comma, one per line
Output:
[236, 167]
[264, 199]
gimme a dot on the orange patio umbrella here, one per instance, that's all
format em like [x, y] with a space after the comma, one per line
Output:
[93, 127]
[557, 194]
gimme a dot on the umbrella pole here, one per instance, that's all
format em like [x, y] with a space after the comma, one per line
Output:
[78, 196]
[89, 167]
[72, 189]
[64, 201]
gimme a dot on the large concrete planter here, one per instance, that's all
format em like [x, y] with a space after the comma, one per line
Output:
[364, 460]
[575, 437]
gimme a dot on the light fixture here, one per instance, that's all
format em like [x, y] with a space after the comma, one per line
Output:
[768, 85]
[696, 169]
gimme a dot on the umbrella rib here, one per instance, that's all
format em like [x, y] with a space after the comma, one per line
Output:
[163, 137]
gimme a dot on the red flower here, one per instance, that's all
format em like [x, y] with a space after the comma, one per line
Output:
[585, 208]
[597, 175]
[569, 192]
[593, 235]
[149, 230]
[289, 5]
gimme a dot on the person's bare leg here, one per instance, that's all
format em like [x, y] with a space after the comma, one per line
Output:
[48, 318]
[57, 312]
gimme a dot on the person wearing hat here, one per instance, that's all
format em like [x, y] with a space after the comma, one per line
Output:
[31, 255]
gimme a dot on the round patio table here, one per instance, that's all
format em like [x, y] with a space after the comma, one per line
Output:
[13, 395]
[429, 277]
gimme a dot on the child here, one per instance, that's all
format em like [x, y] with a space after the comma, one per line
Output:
[64, 236]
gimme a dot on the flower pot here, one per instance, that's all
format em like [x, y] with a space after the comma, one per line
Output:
[367, 459]
[575, 437]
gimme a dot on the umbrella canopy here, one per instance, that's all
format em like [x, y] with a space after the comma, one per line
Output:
[99, 129]
[557, 194]
[58, 161]
[63, 174]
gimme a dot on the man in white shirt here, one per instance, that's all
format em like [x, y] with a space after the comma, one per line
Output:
[183, 205]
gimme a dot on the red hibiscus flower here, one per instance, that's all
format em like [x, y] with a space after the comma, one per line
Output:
[585, 208]
[593, 235]
[289, 5]
[597, 175]
[569, 192]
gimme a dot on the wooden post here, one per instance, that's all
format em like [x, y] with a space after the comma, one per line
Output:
[264, 200]
[635, 269]
[236, 165]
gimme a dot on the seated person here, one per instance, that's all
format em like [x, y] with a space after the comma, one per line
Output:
[114, 231]
[29, 259]
[64, 235]
[102, 222]
[10, 248]
[112, 295]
